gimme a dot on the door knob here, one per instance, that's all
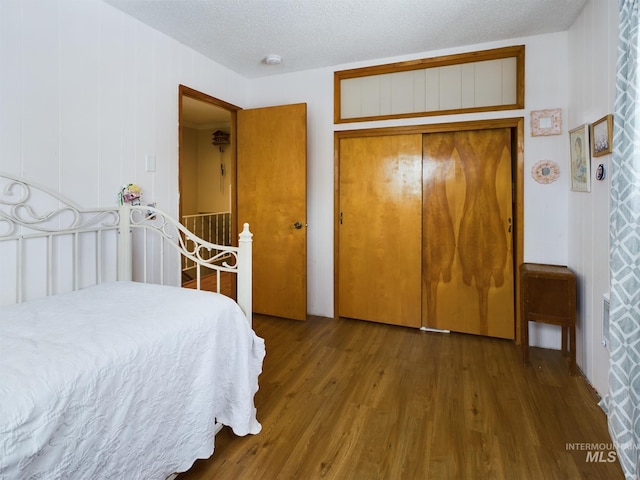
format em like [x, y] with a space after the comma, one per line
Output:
[297, 225]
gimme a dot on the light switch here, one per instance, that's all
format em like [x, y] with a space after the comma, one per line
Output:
[150, 163]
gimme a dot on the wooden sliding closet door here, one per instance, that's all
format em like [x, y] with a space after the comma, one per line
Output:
[380, 229]
[467, 246]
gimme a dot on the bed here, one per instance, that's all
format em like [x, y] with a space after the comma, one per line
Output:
[108, 369]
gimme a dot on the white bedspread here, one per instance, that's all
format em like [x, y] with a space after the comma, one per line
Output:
[122, 381]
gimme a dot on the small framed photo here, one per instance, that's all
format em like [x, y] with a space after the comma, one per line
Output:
[580, 159]
[546, 122]
[602, 136]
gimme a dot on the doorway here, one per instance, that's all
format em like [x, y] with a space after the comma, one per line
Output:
[514, 186]
[206, 175]
[267, 146]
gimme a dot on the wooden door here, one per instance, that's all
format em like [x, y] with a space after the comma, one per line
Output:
[467, 245]
[380, 235]
[271, 192]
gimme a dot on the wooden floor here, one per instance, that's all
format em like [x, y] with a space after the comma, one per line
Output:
[209, 283]
[344, 399]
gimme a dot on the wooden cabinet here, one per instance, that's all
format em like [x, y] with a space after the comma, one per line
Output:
[548, 295]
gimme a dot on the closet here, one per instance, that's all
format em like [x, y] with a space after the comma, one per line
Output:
[425, 229]
[380, 229]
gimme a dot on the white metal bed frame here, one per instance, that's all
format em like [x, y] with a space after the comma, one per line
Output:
[213, 227]
[123, 235]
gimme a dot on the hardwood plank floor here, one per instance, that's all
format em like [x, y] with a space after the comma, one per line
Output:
[209, 283]
[345, 399]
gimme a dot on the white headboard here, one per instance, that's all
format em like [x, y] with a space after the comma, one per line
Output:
[50, 245]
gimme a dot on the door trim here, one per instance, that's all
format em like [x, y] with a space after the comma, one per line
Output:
[184, 91]
[517, 126]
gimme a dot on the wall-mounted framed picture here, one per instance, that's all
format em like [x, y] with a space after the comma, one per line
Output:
[580, 159]
[602, 136]
[546, 122]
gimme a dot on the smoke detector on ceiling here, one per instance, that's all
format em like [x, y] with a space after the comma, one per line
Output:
[273, 59]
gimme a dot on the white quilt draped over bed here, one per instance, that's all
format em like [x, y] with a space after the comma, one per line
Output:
[122, 380]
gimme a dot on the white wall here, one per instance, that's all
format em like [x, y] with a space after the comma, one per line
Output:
[545, 206]
[592, 66]
[87, 92]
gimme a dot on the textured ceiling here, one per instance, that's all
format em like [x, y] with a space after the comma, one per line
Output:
[308, 34]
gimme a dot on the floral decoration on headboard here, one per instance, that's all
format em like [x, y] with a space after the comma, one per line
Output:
[130, 193]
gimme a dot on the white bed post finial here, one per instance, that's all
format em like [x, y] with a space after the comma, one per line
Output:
[125, 257]
[244, 273]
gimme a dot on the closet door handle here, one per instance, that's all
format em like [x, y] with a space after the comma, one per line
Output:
[297, 225]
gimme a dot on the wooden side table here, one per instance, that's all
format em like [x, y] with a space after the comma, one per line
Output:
[548, 295]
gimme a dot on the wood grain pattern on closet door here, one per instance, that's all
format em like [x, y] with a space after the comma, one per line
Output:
[380, 232]
[467, 245]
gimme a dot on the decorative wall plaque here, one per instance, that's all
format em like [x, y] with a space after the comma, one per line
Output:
[546, 122]
[545, 171]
